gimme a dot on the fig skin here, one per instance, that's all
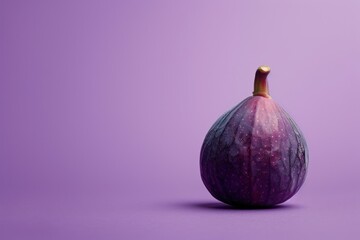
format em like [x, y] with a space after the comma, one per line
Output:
[254, 155]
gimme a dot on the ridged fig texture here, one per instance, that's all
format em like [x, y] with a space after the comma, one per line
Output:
[254, 155]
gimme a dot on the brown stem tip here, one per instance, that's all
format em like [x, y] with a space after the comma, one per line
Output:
[260, 84]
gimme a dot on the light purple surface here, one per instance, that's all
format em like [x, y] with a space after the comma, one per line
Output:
[105, 104]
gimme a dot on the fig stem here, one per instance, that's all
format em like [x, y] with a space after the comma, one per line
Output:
[260, 84]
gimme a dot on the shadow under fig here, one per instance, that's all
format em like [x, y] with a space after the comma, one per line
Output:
[223, 206]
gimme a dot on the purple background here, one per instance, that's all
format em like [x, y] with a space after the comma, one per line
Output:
[105, 104]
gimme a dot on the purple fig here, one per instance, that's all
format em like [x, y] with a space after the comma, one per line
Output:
[254, 155]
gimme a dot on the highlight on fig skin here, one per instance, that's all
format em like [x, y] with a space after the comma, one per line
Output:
[254, 155]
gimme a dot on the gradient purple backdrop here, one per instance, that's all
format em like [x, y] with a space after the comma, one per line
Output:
[105, 104]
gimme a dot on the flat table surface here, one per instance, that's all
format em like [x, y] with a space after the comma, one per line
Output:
[306, 216]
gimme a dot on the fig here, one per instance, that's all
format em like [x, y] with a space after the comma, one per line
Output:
[254, 155]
